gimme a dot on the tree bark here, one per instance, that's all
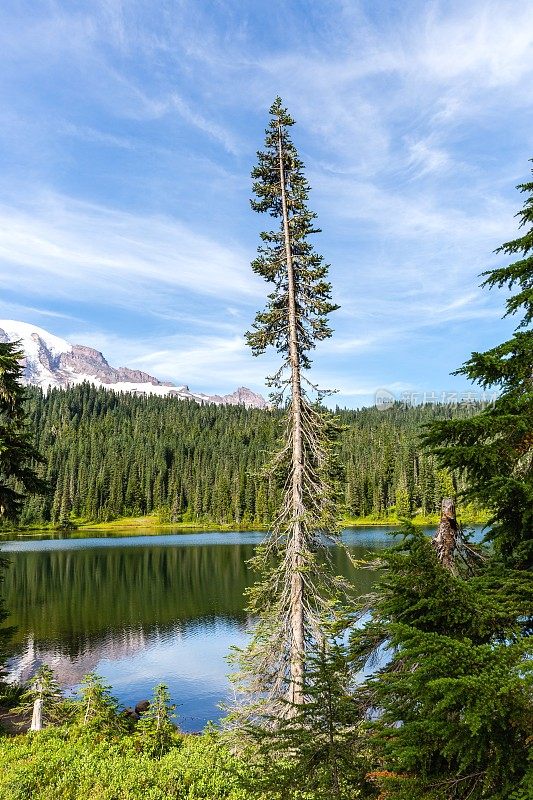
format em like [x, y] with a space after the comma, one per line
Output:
[296, 614]
[37, 718]
[445, 539]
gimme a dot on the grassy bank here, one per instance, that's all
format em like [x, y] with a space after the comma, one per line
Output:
[466, 517]
[153, 523]
[150, 522]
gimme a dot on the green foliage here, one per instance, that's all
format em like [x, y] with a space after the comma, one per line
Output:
[59, 763]
[155, 732]
[10, 694]
[109, 455]
[312, 290]
[494, 449]
[43, 686]
[450, 705]
[402, 506]
[98, 711]
[17, 454]
[314, 749]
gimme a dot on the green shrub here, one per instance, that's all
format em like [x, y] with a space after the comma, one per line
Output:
[72, 764]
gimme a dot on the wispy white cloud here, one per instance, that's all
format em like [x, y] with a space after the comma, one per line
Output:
[426, 157]
[399, 115]
[489, 42]
[407, 319]
[206, 362]
[216, 131]
[415, 213]
[22, 310]
[89, 248]
[88, 134]
[352, 344]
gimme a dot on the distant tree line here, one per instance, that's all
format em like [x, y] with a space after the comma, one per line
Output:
[108, 455]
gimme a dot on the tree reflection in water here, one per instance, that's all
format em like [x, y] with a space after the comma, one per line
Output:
[139, 612]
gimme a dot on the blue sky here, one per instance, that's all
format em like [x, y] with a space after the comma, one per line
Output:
[128, 132]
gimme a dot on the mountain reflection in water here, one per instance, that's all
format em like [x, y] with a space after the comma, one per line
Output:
[142, 610]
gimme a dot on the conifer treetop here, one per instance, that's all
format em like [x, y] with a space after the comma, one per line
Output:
[313, 290]
[520, 272]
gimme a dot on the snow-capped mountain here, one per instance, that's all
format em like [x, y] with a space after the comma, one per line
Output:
[50, 361]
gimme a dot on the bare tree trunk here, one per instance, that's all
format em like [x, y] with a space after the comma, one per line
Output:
[445, 540]
[37, 718]
[296, 688]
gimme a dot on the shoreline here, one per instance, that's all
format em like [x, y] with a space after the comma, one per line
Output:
[153, 523]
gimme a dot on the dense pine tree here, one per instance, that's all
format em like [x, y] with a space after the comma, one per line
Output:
[98, 711]
[451, 706]
[17, 454]
[85, 434]
[494, 449]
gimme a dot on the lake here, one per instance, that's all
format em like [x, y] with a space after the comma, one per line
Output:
[143, 609]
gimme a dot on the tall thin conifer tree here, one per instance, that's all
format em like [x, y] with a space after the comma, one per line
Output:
[296, 583]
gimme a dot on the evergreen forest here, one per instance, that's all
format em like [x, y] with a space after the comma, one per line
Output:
[109, 455]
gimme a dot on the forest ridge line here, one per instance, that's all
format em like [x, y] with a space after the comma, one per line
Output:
[109, 455]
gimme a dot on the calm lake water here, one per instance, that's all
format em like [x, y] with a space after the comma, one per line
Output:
[143, 609]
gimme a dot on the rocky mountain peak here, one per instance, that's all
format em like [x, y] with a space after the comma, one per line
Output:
[53, 362]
